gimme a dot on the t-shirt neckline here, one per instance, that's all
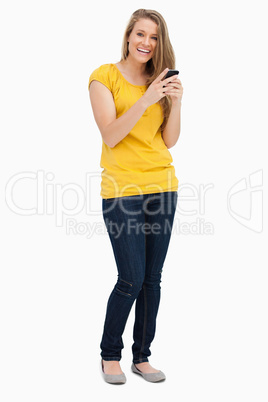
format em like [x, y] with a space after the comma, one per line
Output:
[137, 86]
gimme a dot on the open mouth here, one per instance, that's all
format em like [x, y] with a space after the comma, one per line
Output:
[143, 51]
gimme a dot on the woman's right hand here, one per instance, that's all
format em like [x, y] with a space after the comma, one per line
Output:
[156, 90]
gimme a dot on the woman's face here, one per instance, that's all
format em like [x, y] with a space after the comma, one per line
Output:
[143, 40]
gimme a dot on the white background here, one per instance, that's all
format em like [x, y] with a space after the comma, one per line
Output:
[212, 329]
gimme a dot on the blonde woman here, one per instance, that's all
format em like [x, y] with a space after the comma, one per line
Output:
[138, 114]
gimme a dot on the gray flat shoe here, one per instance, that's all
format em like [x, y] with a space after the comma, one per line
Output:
[113, 379]
[151, 377]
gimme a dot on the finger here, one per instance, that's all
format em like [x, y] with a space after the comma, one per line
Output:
[174, 96]
[173, 82]
[159, 78]
[177, 81]
[173, 86]
[170, 79]
[172, 92]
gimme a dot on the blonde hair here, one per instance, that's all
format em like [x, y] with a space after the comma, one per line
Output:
[163, 56]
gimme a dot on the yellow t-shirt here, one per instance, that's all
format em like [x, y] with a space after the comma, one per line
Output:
[140, 163]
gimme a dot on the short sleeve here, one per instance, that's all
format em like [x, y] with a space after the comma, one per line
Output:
[102, 74]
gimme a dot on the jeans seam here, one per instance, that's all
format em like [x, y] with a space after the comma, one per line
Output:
[144, 322]
[145, 309]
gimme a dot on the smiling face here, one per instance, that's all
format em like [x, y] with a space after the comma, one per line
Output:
[143, 40]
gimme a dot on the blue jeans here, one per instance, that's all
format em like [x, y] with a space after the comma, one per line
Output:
[139, 229]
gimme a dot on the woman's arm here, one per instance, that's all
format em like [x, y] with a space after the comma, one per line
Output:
[113, 129]
[172, 130]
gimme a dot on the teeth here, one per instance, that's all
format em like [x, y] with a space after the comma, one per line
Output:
[143, 50]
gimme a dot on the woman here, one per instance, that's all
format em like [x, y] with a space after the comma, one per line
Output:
[137, 112]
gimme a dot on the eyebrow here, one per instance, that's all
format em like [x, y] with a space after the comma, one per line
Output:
[141, 30]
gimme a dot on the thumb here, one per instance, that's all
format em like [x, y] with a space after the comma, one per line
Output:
[162, 75]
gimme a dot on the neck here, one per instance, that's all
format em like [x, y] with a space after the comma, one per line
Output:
[134, 67]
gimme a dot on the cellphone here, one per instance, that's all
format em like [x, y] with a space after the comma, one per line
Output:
[170, 73]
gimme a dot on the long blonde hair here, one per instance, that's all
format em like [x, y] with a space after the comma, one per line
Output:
[163, 56]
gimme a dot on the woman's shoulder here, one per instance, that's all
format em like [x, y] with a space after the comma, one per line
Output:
[108, 68]
[106, 74]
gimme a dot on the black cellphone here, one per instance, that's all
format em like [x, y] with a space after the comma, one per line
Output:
[170, 73]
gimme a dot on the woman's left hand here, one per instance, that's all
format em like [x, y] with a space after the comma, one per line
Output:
[175, 90]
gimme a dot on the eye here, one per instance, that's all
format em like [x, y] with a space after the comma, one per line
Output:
[139, 34]
[154, 37]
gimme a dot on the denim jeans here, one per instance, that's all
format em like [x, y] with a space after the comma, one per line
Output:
[139, 229]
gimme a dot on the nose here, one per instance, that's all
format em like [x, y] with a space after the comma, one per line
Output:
[146, 41]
